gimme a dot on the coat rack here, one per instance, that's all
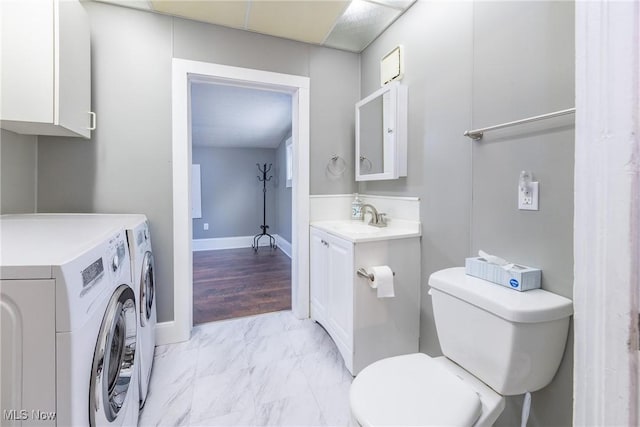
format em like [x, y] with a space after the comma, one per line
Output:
[256, 239]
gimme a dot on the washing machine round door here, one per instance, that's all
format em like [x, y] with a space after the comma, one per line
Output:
[147, 288]
[113, 360]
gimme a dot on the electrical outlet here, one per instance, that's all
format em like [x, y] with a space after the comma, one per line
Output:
[528, 199]
[206, 225]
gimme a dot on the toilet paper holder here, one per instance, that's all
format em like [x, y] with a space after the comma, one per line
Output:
[363, 273]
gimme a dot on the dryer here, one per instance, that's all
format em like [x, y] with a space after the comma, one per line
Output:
[143, 269]
[69, 329]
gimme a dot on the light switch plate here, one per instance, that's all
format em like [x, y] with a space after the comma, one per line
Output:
[528, 201]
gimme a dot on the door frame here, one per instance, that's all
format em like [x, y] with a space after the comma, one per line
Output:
[183, 73]
[607, 214]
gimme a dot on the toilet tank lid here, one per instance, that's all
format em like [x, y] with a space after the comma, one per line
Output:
[532, 306]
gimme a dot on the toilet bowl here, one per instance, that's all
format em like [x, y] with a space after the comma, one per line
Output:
[496, 342]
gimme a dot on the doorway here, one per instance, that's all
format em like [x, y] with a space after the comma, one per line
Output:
[185, 72]
[241, 200]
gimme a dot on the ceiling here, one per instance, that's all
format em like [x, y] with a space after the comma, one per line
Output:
[342, 24]
[238, 117]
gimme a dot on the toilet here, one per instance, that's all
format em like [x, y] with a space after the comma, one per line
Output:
[496, 342]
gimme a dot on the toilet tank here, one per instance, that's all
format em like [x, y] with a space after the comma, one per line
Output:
[512, 341]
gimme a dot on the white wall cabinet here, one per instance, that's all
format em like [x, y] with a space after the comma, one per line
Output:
[46, 68]
[365, 328]
[381, 134]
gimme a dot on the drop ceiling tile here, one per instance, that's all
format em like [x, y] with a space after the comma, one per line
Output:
[312, 21]
[308, 21]
[398, 4]
[134, 4]
[230, 13]
[361, 23]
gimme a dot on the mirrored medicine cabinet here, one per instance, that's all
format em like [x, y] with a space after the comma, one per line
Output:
[381, 134]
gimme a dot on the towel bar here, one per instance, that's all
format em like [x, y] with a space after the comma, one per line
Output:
[477, 134]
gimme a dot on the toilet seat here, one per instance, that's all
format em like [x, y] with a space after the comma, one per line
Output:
[412, 390]
[418, 390]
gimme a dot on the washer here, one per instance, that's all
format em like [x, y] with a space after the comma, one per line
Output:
[69, 324]
[142, 278]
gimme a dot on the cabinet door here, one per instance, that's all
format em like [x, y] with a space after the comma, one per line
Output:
[27, 61]
[73, 66]
[340, 289]
[318, 272]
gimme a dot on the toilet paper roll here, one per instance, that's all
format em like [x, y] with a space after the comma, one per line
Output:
[383, 281]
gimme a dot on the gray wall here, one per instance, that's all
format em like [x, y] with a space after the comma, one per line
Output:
[126, 166]
[231, 193]
[437, 40]
[471, 65]
[335, 86]
[283, 194]
[332, 120]
[524, 66]
[18, 157]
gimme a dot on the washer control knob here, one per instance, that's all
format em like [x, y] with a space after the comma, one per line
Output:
[115, 262]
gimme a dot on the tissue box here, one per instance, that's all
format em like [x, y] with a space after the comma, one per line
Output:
[519, 277]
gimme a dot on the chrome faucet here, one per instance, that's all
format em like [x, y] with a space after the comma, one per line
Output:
[377, 219]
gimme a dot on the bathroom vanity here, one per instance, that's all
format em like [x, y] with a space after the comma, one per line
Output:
[364, 327]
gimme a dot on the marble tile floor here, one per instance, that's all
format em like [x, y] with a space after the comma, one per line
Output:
[265, 370]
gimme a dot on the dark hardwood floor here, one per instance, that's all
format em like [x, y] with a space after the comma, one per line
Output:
[239, 282]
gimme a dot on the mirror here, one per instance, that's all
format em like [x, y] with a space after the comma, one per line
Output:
[371, 131]
[381, 143]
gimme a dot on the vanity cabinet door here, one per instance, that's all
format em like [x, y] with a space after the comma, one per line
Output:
[340, 292]
[331, 282]
[318, 272]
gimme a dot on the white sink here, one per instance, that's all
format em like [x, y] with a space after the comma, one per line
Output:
[358, 231]
[354, 227]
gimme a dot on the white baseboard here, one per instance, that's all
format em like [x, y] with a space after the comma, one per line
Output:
[283, 245]
[228, 243]
[168, 333]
